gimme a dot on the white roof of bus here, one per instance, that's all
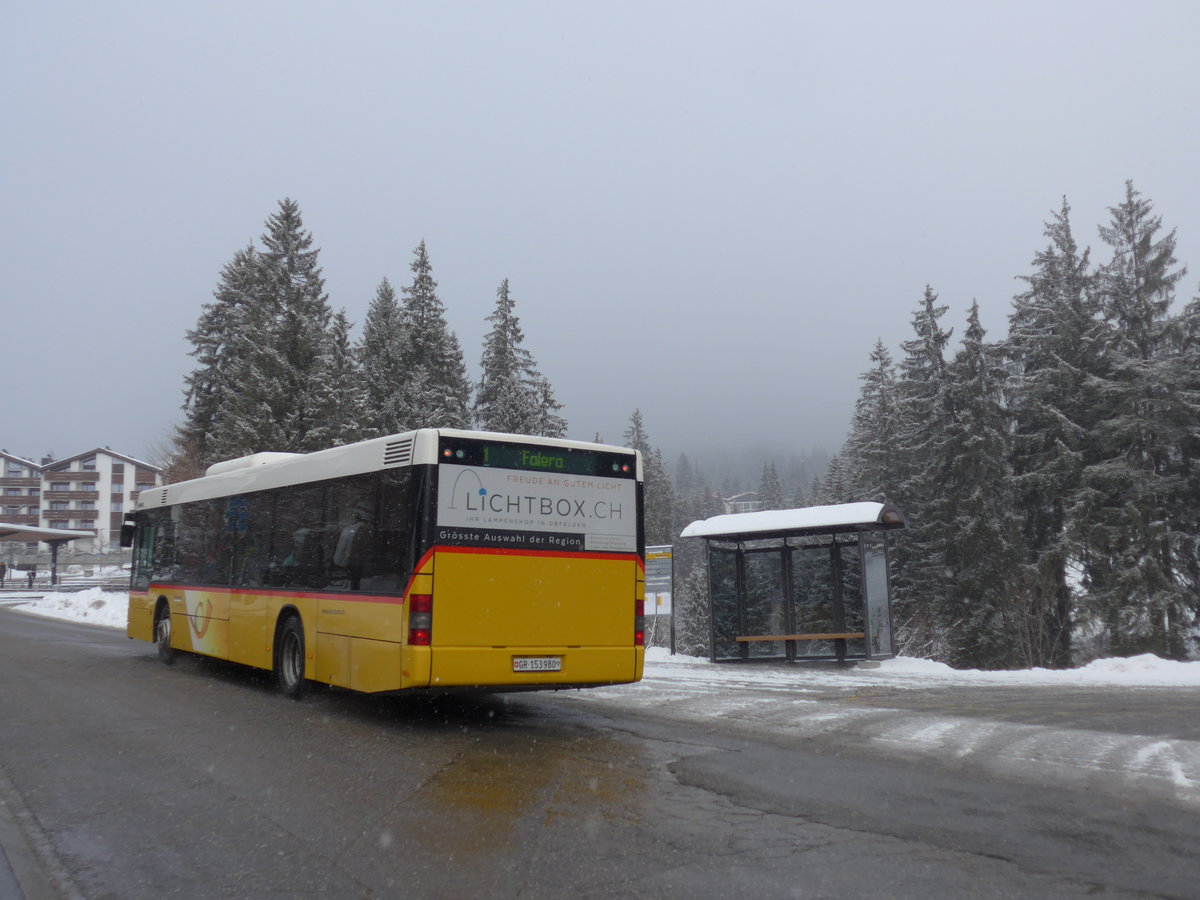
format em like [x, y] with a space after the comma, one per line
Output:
[262, 471]
[810, 518]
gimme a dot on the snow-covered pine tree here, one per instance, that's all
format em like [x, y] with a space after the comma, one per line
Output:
[869, 457]
[503, 401]
[923, 416]
[437, 392]
[981, 608]
[694, 500]
[249, 419]
[659, 492]
[548, 422]
[836, 486]
[206, 388]
[1053, 352]
[339, 404]
[1184, 371]
[296, 288]
[381, 353]
[1132, 481]
[770, 489]
[693, 620]
[512, 395]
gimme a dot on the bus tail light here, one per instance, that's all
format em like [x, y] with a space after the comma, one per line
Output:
[420, 619]
[639, 623]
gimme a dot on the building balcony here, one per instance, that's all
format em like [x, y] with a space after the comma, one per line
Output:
[47, 496]
[22, 519]
[59, 514]
[23, 483]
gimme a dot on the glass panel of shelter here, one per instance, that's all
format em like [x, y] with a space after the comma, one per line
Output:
[877, 596]
[815, 602]
[723, 588]
[766, 611]
[804, 585]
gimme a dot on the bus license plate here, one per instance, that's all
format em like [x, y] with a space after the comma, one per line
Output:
[537, 663]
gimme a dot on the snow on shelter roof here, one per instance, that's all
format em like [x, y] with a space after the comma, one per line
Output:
[809, 520]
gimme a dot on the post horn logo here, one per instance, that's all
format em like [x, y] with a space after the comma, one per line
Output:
[454, 491]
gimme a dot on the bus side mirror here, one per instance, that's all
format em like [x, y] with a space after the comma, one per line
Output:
[127, 530]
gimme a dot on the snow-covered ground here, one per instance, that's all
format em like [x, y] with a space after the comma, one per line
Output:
[803, 702]
[99, 607]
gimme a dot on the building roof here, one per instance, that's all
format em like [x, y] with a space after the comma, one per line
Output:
[808, 520]
[20, 459]
[105, 450]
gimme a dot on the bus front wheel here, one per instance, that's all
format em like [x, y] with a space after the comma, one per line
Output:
[289, 658]
[162, 634]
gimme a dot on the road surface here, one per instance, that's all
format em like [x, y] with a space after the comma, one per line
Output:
[120, 777]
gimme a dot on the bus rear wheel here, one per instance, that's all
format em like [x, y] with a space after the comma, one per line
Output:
[162, 634]
[289, 659]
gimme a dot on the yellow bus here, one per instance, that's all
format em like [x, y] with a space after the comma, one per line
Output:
[431, 559]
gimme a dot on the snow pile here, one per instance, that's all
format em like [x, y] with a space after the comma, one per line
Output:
[1146, 670]
[93, 606]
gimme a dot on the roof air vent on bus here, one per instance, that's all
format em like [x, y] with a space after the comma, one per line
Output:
[398, 453]
[247, 462]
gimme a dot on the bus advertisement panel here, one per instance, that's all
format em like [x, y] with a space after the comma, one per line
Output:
[529, 510]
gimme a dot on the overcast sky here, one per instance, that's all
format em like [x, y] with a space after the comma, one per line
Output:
[710, 211]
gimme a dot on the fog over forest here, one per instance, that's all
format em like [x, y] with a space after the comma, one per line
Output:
[707, 213]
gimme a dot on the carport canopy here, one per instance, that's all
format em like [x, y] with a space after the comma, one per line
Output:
[52, 536]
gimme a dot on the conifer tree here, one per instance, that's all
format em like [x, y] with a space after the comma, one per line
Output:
[1131, 480]
[837, 484]
[264, 347]
[659, 493]
[249, 418]
[339, 401]
[923, 416]
[548, 422]
[207, 389]
[770, 489]
[512, 395]
[296, 290]
[694, 500]
[381, 353]
[1052, 349]
[981, 607]
[1183, 370]
[871, 451]
[437, 392]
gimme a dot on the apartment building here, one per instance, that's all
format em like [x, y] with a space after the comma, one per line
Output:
[87, 492]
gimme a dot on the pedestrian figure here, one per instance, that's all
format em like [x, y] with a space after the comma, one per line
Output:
[32, 575]
[3, 572]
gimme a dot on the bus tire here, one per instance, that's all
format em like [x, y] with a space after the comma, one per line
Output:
[162, 633]
[289, 658]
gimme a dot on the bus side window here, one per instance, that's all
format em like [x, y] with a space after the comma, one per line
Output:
[297, 554]
[143, 553]
[153, 548]
[389, 557]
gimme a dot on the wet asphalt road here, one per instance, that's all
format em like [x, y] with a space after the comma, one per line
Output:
[123, 778]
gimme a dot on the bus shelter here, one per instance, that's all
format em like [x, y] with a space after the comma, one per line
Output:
[800, 584]
[55, 537]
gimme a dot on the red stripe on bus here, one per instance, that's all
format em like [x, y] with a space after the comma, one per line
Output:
[281, 592]
[555, 554]
[426, 558]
